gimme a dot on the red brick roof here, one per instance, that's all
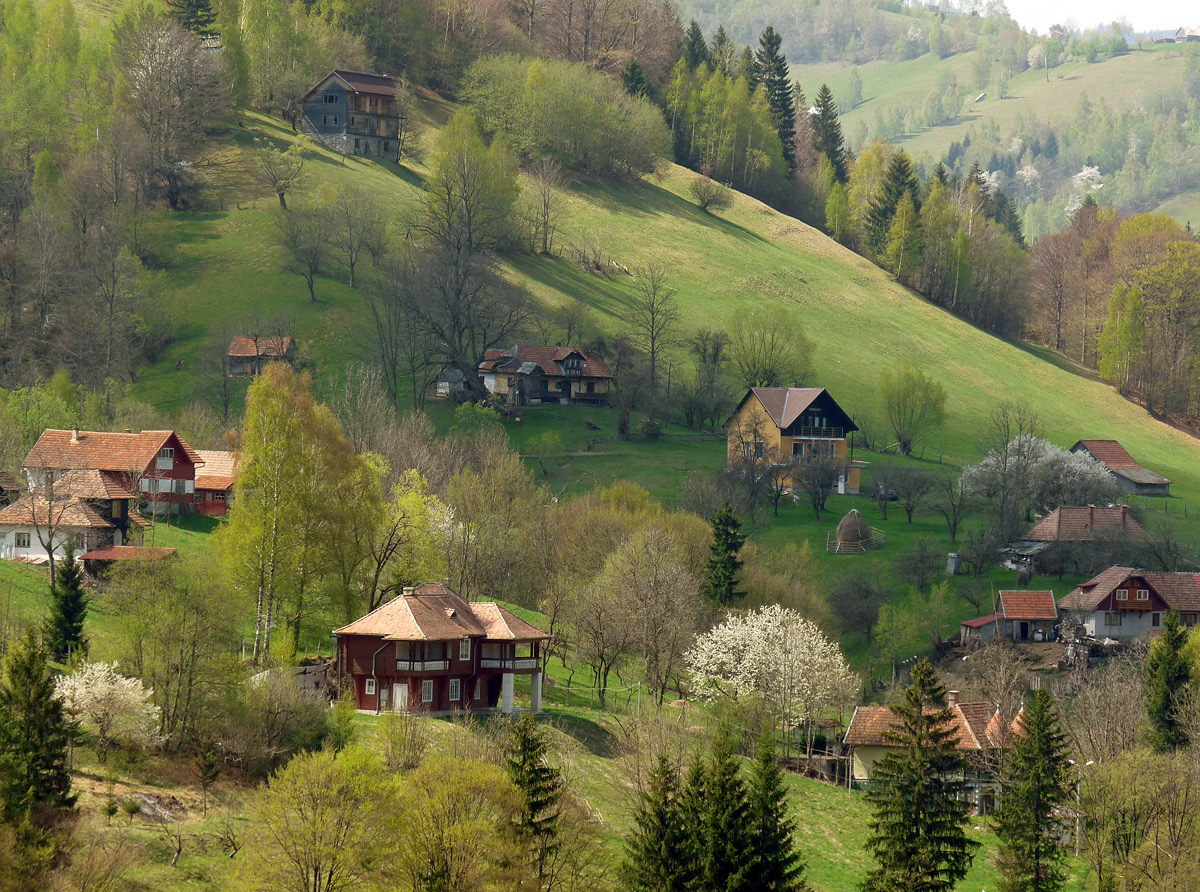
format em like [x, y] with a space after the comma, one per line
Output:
[1081, 524]
[981, 621]
[219, 469]
[269, 346]
[1027, 605]
[1113, 456]
[1179, 590]
[363, 82]
[102, 450]
[547, 358]
[969, 721]
[435, 612]
[128, 553]
[72, 513]
[9, 483]
[90, 484]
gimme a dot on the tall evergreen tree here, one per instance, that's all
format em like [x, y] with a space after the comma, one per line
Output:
[721, 572]
[772, 75]
[722, 52]
[827, 132]
[657, 857]
[1035, 780]
[196, 16]
[692, 799]
[633, 77]
[778, 866]
[695, 49]
[34, 734]
[63, 633]
[727, 861]
[745, 69]
[975, 177]
[526, 759]
[1167, 675]
[918, 832]
[900, 180]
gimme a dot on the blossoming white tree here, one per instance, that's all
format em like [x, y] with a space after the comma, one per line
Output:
[779, 655]
[117, 706]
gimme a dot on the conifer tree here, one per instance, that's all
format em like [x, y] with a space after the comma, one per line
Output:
[772, 75]
[34, 734]
[918, 832]
[695, 49]
[903, 245]
[541, 787]
[722, 53]
[900, 180]
[196, 16]
[721, 572]
[727, 860]
[691, 815]
[745, 69]
[975, 177]
[778, 866]
[658, 857]
[1034, 782]
[827, 132]
[63, 634]
[208, 768]
[633, 77]
[1167, 675]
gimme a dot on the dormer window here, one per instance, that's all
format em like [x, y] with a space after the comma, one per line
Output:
[1122, 594]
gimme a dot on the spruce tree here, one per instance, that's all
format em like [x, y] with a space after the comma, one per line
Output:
[633, 77]
[196, 16]
[918, 832]
[772, 75]
[63, 633]
[778, 866]
[658, 858]
[900, 180]
[721, 572]
[827, 132]
[1035, 781]
[695, 49]
[34, 734]
[722, 52]
[1167, 674]
[541, 787]
[745, 68]
[692, 799]
[727, 861]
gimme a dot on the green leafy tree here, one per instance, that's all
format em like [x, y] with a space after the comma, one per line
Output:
[827, 132]
[541, 788]
[778, 866]
[63, 633]
[196, 16]
[1121, 341]
[914, 403]
[902, 250]
[695, 49]
[34, 734]
[838, 221]
[657, 857]
[918, 832]
[208, 768]
[772, 75]
[1035, 781]
[1167, 675]
[727, 855]
[721, 572]
[900, 180]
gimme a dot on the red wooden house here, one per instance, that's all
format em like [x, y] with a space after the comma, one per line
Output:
[430, 650]
[158, 465]
[214, 481]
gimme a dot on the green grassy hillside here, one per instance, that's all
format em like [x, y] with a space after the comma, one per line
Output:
[223, 264]
[1122, 81]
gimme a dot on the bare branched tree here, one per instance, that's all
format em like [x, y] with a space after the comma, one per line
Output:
[652, 318]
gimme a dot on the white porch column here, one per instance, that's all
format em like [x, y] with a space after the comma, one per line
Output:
[506, 693]
[535, 693]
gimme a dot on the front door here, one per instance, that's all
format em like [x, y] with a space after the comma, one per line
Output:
[1024, 631]
[400, 689]
[383, 698]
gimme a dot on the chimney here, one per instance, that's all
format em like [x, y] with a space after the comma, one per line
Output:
[1091, 516]
[446, 582]
[952, 698]
[408, 590]
[75, 434]
[129, 430]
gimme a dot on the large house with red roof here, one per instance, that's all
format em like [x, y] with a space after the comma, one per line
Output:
[1020, 615]
[1124, 470]
[980, 733]
[430, 650]
[1123, 603]
[528, 375]
[157, 466]
[355, 113]
[214, 481]
[1044, 546]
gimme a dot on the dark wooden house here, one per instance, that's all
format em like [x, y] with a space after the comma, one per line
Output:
[355, 113]
[247, 354]
[527, 374]
[430, 650]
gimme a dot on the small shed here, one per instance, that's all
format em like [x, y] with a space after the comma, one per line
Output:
[10, 489]
[854, 536]
[977, 632]
[249, 353]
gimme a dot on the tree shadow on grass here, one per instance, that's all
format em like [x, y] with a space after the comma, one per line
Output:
[597, 739]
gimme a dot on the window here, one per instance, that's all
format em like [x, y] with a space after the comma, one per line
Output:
[591, 387]
[1112, 619]
[1143, 594]
[356, 143]
[181, 487]
[335, 120]
[386, 147]
[218, 496]
[427, 691]
[1189, 619]
[478, 689]
[455, 690]
[80, 543]
[1155, 620]
[324, 121]
[370, 687]
[746, 449]
[331, 98]
[118, 508]
[22, 540]
[167, 452]
[760, 448]
[464, 649]
[352, 121]
[1122, 594]
[435, 650]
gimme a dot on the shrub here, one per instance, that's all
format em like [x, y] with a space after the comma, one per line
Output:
[710, 195]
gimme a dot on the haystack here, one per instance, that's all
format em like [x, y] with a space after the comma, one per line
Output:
[853, 535]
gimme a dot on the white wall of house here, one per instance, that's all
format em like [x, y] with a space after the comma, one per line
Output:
[22, 543]
[1133, 624]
